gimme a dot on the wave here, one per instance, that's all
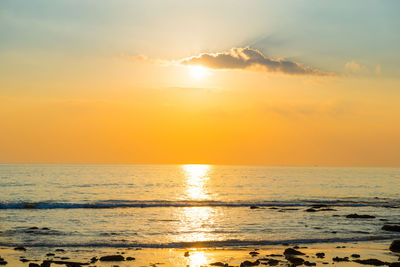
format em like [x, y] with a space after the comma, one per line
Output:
[207, 244]
[109, 204]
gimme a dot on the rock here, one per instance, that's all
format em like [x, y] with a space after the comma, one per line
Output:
[372, 262]
[253, 253]
[359, 216]
[24, 260]
[50, 254]
[355, 255]
[33, 264]
[275, 255]
[395, 246]
[295, 261]
[130, 258]
[296, 247]
[20, 249]
[394, 264]
[112, 258]
[3, 262]
[45, 228]
[33, 228]
[320, 255]
[310, 210]
[47, 263]
[64, 258]
[270, 262]
[93, 260]
[186, 254]
[249, 263]
[392, 228]
[307, 263]
[254, 207]
[338, 259]
[218, 264]
[292, 251]
[60, 250]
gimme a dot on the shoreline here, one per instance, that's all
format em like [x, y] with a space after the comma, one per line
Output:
[196, 257]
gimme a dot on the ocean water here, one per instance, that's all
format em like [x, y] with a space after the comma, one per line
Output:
[173, 206]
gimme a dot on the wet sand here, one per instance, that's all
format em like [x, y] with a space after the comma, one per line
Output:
[196, 257]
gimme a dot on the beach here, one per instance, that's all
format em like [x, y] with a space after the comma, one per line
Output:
[334, 254]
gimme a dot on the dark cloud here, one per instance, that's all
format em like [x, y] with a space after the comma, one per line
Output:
[248, 58]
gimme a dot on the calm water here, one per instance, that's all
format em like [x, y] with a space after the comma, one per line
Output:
[179, 205]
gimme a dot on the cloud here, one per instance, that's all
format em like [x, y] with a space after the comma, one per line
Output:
[146, 59]
[354, 67]
[248, 58]
[241, 58]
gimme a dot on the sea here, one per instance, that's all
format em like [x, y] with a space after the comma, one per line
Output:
[181, 206]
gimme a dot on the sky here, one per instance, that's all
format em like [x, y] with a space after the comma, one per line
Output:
[214, 82]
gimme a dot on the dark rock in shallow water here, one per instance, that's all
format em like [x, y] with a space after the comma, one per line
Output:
[20, 249]
[250, 263]
[296, 247]
[311, 210]
[93, 260]
[64, 258]
[307, 263]
[253, 253]
[292, 251]
[218, 264]
[50, 254]
[33, 264]
[23, 260]
[295, 261]
[395, 246]
[320, 255]
[372, 262]
[130, 258]
[392, 228]
[33, 228]
[3, 262]
[359, 216]
[355, 255]
[394, 264]
[112, 258]
[269, 261]
[60, 250]
[338, 259]
[254, 207]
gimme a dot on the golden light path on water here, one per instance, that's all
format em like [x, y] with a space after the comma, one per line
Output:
[197, 223]
[196, 180]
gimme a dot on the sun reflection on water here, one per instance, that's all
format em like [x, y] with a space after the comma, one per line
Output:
[197, 259]
[197, 223]
[196, 179]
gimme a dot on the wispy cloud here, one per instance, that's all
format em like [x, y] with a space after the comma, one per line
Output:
[248, 59]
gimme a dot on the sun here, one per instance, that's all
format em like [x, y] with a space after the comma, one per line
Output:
[198, 72]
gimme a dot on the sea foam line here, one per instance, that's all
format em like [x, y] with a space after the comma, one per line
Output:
[160, 203]
[207, 244]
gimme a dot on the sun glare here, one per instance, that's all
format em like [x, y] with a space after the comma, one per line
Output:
[198, 72]
[196, 179]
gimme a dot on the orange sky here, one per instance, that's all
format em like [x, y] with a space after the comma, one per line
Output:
[82, 97]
